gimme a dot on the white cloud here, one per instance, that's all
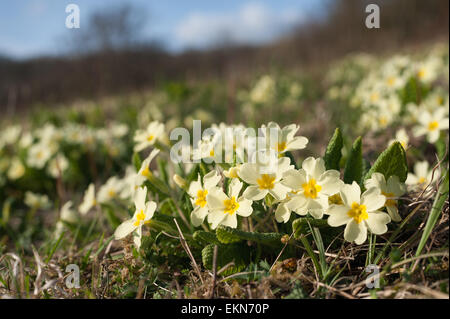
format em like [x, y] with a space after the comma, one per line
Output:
[252, 23]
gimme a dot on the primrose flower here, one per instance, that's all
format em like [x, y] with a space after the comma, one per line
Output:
[26, 140]
[57, 166]
[359, 213]
[144, 172]
[265, 178]
[427, 71]
[38, 155]
[89, 200]
[36, 201]
[118, 130]
[402, 137]
[223, 208]
[128, 183]
[16, 170]
[283, 213]
[207, 148]
[231, 140]
[10, 134]
[67, 214]
[143, 213]
[283, 139]
[392, 189]
[109, 190]
[311, 186]
[198, 193]
[263, 91]
[421, 177]
[431, 124]
[148, 137]
[233, 172]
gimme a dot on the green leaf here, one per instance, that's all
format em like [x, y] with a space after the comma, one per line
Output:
[237, 253]
[391, 162]
[205, 237]
[333, 153]
[228, 235]
[354, 167]
[436, 210]
[300, 226]
[137, 162]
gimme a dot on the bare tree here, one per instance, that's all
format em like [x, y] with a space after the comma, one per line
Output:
[117, 28]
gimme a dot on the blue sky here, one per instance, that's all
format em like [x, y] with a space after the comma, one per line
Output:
[37, 27]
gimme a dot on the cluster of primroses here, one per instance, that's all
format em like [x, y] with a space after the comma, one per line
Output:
[33, 157]
[402, 90]
[268, 176]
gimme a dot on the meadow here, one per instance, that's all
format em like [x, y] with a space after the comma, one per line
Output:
[342, 194]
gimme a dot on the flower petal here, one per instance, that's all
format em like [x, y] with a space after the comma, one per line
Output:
[211, 179]
[124, 229]
[235, 187]
[245, 207]
[350, 194]
[294, 179]
[215, 199]
[338, 215]
[373, 199]
[215, 218]
[298, 143]
[377, 222]
[248, 173]
[395, 186]
[330, 182]
[376, 180]
[255, 193]
[282, 213]
[279, 191]
[198, 215]
[355, 232]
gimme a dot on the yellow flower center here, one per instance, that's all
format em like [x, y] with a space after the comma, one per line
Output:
[358, 212]
[421, 73]
[374, 97]
[233, 172]
[382, 120]
[139, 218]
[391, 80]
[211, 153]
[39, 155]
[146, 172]
[231, 206]
[281, 146]
[311, 189]
[389, 201]
[433, 125]
[201, 198]
[422, 180]
[150, 138]
[335, 199]
[111, 193]
[266, 181]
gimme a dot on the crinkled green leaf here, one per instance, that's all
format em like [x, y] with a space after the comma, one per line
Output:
[205, 237]
[333, 153]
[354, 167]
[237, 253]
[391, 162]
[137, 162]
[229, 235]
